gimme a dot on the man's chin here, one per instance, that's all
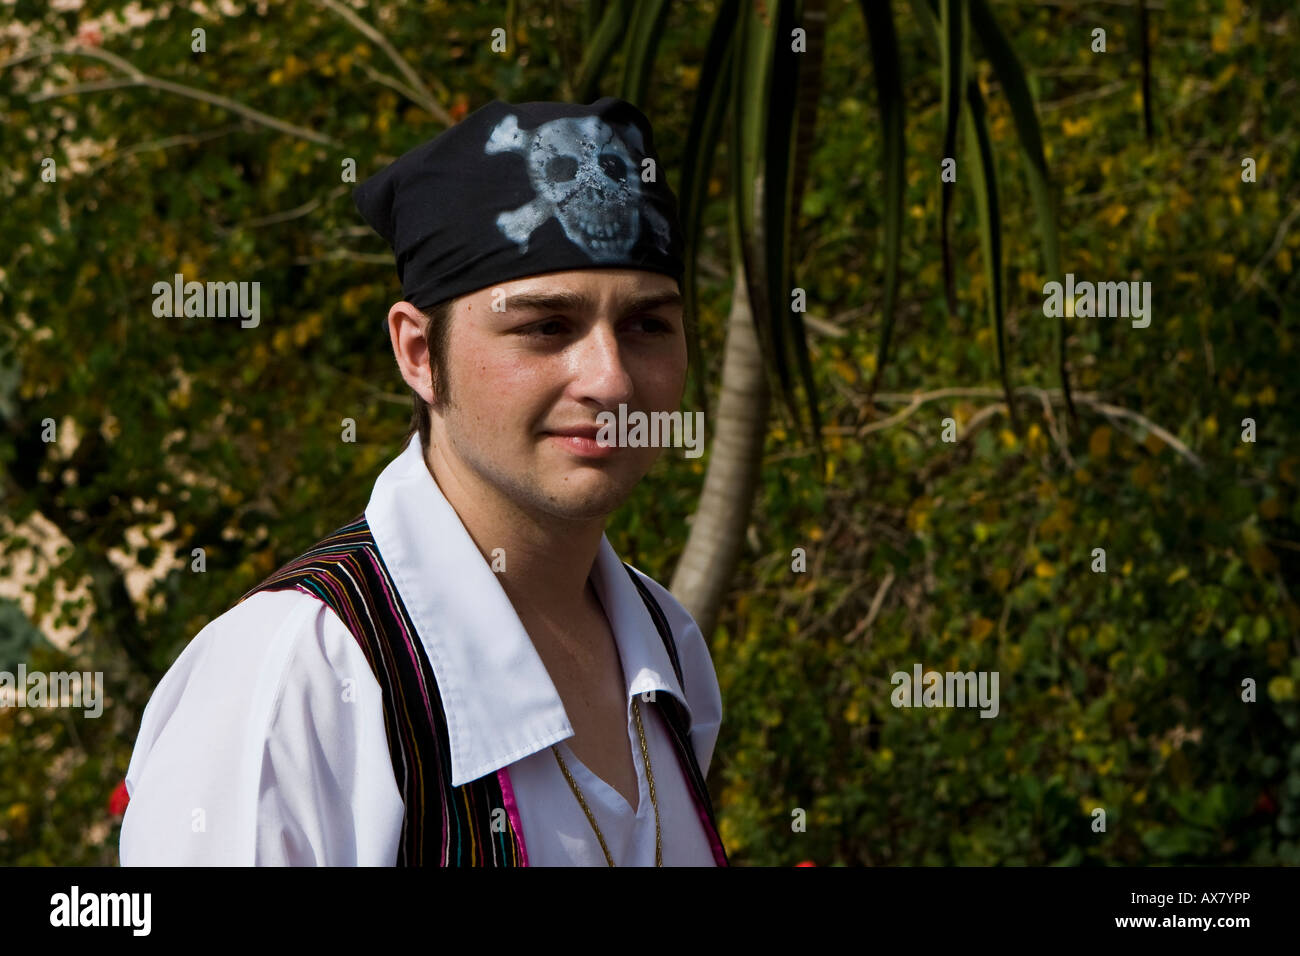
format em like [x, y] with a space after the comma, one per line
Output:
[579, 500]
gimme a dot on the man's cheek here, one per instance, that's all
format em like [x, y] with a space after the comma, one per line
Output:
[647, 459]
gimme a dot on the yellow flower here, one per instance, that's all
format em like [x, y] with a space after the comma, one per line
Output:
[1281, 688]
[1286, 469]
[1076, 127]
[1221, 39]
[1099, 442]
[1114, 215]
[1144, 475]
[730, 835]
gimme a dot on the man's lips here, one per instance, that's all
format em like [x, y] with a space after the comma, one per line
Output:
[580, 440]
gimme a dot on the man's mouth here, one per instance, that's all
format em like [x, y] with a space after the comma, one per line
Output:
[580, 431]
[580, 440]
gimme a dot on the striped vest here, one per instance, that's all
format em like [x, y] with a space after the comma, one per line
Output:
[444, 825]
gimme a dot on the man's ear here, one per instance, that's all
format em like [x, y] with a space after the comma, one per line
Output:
[406, 330]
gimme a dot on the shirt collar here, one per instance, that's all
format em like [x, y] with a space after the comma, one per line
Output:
[499, 700]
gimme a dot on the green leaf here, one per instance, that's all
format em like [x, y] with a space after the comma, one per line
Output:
[612, 29]
[778, 202]
[711, 97]
[954, 29]
[990, 218]
[889, 94]
[1006, 67]
[643, 35]
[752, 105]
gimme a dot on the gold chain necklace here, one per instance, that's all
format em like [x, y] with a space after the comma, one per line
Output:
[645, 755]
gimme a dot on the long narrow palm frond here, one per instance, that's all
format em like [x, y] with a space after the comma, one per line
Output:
[712, 94]
[888, 71]
[1011, 76]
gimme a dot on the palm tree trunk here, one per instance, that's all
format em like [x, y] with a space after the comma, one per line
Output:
[717, 534]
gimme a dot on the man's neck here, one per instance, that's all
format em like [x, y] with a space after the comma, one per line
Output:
[547, 561]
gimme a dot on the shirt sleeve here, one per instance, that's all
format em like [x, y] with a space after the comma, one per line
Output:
[698, 675]
[264, 744]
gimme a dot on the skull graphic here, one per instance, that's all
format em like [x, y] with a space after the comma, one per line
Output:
[584, 175]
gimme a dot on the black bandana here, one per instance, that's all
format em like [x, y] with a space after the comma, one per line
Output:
[514, 190]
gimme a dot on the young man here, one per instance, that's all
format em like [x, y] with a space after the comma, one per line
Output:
[467, 674]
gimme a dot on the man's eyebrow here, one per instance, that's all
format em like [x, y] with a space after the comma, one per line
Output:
[564, 301]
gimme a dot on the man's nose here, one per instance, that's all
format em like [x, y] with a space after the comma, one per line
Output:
[600, 373]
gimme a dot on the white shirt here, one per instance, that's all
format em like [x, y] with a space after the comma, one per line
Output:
[264, 742]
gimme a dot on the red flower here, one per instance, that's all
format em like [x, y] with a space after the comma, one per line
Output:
[90, 36]
[118, 801]
[806, 863]
[1265, 804]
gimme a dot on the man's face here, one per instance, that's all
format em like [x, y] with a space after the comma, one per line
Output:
[567, 346]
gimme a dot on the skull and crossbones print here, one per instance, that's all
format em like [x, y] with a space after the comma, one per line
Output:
[585, 176]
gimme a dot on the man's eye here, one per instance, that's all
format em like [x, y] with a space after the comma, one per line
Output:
[653, 324]
[540, 329]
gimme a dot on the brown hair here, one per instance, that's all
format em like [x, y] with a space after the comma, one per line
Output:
[436, 321]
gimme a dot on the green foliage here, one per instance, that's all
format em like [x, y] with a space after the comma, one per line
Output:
[1121, 690]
